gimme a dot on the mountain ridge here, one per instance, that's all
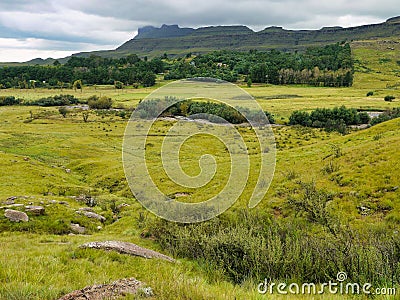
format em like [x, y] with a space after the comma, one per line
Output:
[177, 41]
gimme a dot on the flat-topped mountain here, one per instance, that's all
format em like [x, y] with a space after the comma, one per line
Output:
[173, 40]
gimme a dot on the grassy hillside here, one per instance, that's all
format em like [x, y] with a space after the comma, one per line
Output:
[50, 159]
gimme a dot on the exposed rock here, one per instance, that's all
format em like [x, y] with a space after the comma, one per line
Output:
[16, 205]
[121, 206]
[10, 200]
[26, 158]
[127, 248]
[16, 216]
[99, 228]
[78, 228]
[68, 171]
[36, 210]
[114, 290]
[86, 209]
[92, 215]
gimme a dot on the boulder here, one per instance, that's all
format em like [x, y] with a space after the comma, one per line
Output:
[115, 290]
[127, 248]
[92, 215]
[16, 216]
[78, 228]
[36, 210]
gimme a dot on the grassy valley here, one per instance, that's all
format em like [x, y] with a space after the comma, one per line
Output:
[333, 204]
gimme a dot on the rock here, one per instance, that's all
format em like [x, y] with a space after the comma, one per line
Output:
[78, 228]
[99, 228]
[86, 209]
[121, 206]
[63, 203]
[16, 205]
[16, 216]
[92, 215]
[26, 158]
[68, 171]
[126, 248]
[114, 290]
[10, 200]
[36, 210]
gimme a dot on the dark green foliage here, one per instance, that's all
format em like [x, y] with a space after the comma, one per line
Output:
[386, 116]
[331, 65]
[336, 119]
[58, 100]
[389, 98]
[370, 93]
[211, 111]
[249, 245]
[103, 102]
[90, 70]
[9, 100]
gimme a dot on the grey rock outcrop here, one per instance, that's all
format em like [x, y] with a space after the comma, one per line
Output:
[16, 216]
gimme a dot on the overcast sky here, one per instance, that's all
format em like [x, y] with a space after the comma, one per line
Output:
[55, 28]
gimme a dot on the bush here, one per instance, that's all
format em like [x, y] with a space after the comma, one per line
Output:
[9, 100]
[389, 98]
[370, 94]
[103, 102]
[336, 119]
[58, 100]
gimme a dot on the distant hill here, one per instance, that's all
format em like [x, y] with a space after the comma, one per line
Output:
[177, 41]
[174, 40]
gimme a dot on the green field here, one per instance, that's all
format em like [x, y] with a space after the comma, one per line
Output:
[49, 157]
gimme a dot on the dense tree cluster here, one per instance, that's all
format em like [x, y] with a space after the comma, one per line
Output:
[330, 65]
[90, 70]
[211, 111]
[336, 119]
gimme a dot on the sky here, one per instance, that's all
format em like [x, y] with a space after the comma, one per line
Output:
[56, 28]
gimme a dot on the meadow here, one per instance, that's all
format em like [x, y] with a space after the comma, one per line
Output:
[46, 158]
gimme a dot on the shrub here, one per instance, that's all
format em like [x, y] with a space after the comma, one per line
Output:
[370, 93]
[58, 100]
[389, 98]
[9, 100]
[103, 102]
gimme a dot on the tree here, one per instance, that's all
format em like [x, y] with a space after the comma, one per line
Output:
[149, 79]
[63, 111]
[78, 85]
[118, 85]
[85, 116]
[249, 82]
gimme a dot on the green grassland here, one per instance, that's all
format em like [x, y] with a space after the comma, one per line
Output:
[39, 260]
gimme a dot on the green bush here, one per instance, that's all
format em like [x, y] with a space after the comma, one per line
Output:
[58, 100]
[103, 102]
[389, 98]
[370, 93]
[9, 100]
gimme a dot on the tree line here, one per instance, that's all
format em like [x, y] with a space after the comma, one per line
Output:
[330, 65]
[89, 70]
